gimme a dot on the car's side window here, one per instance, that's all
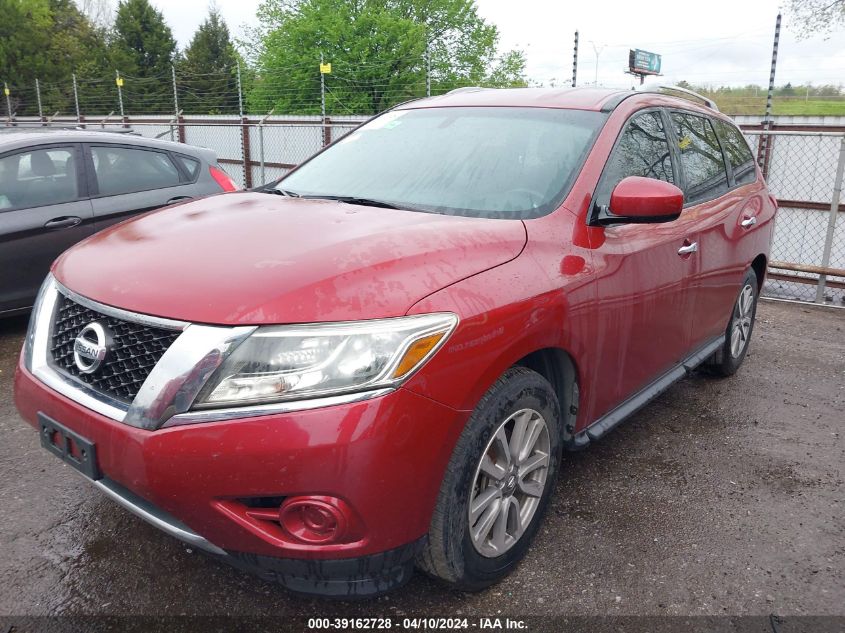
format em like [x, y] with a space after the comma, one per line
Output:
[701, 158]
[739, 154]
[124, 170]
[38, 177]
[642, 150]
[191, 165]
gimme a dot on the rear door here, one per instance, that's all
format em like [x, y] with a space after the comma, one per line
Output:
[127, 180]
[714, 210]
[643, 281]
[43, 211]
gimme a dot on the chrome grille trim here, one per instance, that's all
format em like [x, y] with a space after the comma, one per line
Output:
[119, 313]
[171, 386]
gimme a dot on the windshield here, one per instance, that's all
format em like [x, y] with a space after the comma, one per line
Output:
[498, 162]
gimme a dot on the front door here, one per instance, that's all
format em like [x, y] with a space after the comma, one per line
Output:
[43, 211]
[643, 274]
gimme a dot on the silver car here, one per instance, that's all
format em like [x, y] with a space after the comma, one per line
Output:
[59, 186]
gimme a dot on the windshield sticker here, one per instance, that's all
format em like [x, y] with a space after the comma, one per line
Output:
[386, 121]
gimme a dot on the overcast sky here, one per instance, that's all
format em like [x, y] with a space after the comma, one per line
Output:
[717, 42]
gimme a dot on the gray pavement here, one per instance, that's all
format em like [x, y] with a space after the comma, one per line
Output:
[721, 497]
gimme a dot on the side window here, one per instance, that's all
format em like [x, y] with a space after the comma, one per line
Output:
[643, 150]
[739, 155]
[190, 165]
[38, 177]
[701, 158]
[124, 170]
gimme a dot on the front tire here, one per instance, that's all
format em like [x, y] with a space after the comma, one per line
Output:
[740, 326]
[497, 484]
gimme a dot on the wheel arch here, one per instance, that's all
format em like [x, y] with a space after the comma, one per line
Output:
[558, 367]
[759, 266]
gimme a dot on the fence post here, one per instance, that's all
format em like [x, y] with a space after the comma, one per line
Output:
[427, 67]
[38, 97]
[246, 152]
[261, 143]
[76, 99]
[327, 131]
[175, 95]
[119, 82]
[240, 91]
[831, 222]
[180, 129]
[6, 91]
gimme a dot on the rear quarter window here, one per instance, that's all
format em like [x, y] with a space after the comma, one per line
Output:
[739, 154]
[125, 170]
[191, 165]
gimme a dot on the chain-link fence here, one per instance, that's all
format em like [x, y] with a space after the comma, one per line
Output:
[804, 172]
[252, 150]
[803, 169]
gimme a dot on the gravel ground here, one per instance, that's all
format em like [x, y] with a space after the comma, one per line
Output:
[721, 497]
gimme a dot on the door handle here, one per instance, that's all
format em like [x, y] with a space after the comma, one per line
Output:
[64, 222]
[688, 249]
[178, 199]
[747, 223]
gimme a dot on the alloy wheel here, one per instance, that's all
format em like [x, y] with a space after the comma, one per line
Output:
[742, 317]
[509, 482]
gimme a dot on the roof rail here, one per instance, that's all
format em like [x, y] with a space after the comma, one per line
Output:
[684, 91]
[466, 89]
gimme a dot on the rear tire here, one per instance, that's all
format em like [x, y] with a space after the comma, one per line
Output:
[503, 467]
[727, 360]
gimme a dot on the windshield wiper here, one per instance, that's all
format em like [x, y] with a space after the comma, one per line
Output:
[281, 192]
[368, 202]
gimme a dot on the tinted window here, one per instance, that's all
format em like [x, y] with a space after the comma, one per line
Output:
[122, 170]
[37, 178]
[475, 161]
[701, 158]
[643, 150]
[191, 166]
[739, 155]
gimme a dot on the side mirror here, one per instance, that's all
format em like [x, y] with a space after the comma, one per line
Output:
[637, 200]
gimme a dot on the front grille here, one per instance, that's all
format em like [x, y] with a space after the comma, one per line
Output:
[135, 349]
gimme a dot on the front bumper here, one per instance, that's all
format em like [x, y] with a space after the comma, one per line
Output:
[385, 457]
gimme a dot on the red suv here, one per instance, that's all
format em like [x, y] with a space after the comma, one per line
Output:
[378, 361]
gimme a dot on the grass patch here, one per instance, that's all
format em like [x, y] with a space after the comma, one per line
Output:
[792, 106]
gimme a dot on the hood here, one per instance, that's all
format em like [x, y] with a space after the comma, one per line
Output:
[255, 258]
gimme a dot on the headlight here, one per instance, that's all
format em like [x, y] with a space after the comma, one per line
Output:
[36, 322]
[279, 363]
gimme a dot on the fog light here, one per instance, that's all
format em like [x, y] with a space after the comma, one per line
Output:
[314, 520]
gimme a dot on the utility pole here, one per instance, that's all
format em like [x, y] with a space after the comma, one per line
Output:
[76, 98]
[575, 60]
[598, 51]
[38, 97]
[765, 140]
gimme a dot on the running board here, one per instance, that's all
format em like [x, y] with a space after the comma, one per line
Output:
[633, 404]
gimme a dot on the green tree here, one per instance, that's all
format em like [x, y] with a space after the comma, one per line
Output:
[142, 48]
[48, 40]
[207, 72]
[813, 17]
[378, 51]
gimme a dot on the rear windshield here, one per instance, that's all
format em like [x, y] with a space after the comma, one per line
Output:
[485, 162]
